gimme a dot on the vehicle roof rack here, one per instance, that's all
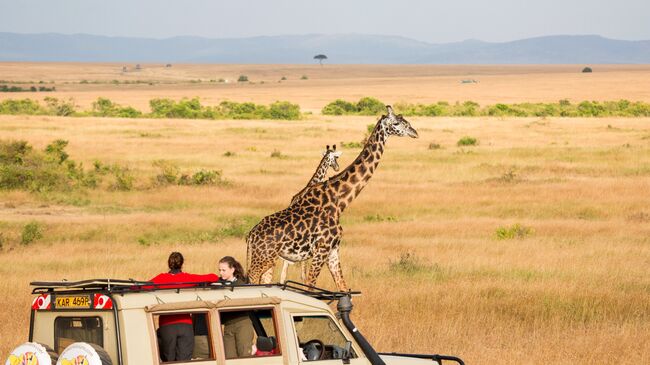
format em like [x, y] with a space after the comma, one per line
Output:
[120, 286]
[316, 292]
[83, 285]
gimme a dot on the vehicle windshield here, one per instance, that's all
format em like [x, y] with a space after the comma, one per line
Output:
[320, 338]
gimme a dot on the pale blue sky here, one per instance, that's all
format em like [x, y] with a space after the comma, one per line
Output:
[430, 21]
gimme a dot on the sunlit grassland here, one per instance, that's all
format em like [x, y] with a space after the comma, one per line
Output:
[420, 242]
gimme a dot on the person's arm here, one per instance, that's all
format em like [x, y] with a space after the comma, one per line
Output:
[198, 278]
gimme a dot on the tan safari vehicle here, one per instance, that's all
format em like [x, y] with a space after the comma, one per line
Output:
[107, 321]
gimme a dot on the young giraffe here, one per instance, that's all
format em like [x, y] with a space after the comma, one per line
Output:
[330, 159]
[310, 227]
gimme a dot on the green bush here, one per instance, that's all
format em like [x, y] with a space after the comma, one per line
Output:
[22, 167]
[16, 89]
[103, 107]
[123, 179]
[203, 177]
[467, 141]
[466, 109]
[339, 107]
[56, 150]
[58, 107]
[11, 89]
[365, 106]
[183, 109]
[32, 231]
[13, 152]
[370, 106]
[168, 172]
[21, 106]
[283, 110]
[512, 232]
[242, 78]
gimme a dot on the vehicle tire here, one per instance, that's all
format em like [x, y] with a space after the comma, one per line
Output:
[32, 352]
[93, 354]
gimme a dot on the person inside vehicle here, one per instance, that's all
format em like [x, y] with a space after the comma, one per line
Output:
[175, 332]
[231, 271]
[238, 331]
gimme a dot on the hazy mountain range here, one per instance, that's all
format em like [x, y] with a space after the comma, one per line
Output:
[344, 48]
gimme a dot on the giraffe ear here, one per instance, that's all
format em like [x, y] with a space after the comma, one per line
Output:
[327, 147]
[334, 147]
[390, 110]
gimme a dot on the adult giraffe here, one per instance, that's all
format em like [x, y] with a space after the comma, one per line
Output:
[310, 226]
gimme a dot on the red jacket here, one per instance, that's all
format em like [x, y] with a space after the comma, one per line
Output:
[180, 277]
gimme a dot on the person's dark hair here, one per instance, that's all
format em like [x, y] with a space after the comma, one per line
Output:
[175, 261]
[239, 270]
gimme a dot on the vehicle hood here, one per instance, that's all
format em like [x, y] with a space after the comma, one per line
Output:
[403, 360]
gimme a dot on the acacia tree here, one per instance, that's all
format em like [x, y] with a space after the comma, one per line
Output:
[320, 58]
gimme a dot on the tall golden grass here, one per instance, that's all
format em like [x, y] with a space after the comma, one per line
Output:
[420, 242]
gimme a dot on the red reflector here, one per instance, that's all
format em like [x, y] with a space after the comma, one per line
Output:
[43, 301]
[101, 301]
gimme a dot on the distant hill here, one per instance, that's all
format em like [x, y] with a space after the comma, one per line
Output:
[345, 48]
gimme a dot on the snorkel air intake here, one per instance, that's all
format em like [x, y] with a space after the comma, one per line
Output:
[344, 307]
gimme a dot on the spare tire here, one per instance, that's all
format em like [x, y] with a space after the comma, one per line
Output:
[32, 353]
[80, 351]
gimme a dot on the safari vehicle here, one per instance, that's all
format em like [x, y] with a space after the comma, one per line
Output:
[107, 321]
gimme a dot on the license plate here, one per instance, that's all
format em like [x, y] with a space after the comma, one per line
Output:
[72, 302]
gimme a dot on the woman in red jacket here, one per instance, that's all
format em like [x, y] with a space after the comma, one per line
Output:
[175, 332]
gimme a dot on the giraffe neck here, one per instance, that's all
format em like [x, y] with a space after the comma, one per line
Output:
[349, 182]
[321, 171]
[318, 177]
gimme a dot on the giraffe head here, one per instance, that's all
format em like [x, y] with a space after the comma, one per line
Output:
[395, 125]
[331, 157]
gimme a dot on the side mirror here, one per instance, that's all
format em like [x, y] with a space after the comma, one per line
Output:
[347, 352]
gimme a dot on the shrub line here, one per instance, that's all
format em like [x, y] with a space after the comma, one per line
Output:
[160, 108]
[563, 108]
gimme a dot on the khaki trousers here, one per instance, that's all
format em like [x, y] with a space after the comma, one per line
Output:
[201, 347]
[238, 337]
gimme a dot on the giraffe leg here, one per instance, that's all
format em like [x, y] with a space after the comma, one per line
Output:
[303, 270]
[320, 256]
[261, 262]
[285, 268]
[334, 263]
[267, 277]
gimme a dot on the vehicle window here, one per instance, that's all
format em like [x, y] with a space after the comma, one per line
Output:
[320, 338]
[68, 330]
[184, 336]
[249, 333]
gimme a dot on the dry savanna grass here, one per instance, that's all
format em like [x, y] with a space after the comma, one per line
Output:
[531, 247]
